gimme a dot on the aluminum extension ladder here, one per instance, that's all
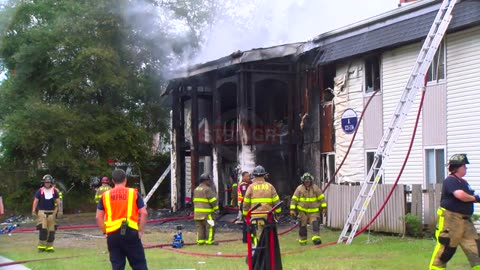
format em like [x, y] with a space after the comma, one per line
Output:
[391, 134]
[157, 184]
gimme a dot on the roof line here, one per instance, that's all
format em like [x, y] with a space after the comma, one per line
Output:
[378, 18]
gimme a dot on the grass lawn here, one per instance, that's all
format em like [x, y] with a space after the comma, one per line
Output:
[372, 251]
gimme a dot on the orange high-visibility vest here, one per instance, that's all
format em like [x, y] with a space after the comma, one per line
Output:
[120, 205]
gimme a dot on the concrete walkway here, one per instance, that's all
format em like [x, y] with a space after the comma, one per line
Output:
[11, 267]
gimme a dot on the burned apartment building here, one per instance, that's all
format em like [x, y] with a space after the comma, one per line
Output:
[249, 108]
[294, 108]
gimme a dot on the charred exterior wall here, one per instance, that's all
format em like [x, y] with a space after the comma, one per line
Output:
[229, 120]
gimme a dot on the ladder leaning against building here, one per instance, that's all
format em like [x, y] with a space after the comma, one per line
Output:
[392, 132]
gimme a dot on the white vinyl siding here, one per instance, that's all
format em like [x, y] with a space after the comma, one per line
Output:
[373, 121]
[350, 98]
[463, 95]
[396, 69]
[435, 115]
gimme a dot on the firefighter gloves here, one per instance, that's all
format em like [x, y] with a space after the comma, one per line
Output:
[293, 213]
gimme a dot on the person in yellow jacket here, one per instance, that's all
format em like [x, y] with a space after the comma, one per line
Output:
[205, 205]
[309, 201]
[102, 189]
[260, 191]
[60, 196]
[234, 186]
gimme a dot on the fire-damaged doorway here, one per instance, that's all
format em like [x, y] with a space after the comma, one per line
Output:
[270, 130]
[316, 122]
[229, 117]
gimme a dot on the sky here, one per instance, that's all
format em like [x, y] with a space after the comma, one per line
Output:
[248, 24]
[264, 23]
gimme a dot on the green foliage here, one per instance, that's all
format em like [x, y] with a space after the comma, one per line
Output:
[414, 226]
[83, 85]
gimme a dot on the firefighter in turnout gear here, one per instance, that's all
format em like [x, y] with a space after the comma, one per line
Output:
[234, 182]
[261, 192]
[102, 189]
[455, 226]
[205, 205]
[309, 201]
[60, 196]
[46, 201]
[242, 189]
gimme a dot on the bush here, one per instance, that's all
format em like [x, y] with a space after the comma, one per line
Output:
[413, 226]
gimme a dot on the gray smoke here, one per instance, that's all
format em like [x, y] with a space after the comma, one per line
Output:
[247, 24]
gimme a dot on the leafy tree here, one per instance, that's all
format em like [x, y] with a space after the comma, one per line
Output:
[83, 83]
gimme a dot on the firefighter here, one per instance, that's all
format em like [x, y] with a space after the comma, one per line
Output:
[205, 206]
[102, 189]
[242, 189]
[46, 201]
[455, 226]
[261, 192]
[122, 215]
[309, 201]
[60, 196]
[234, 187]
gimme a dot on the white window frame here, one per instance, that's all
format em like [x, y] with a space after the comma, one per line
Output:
[439, 165]
[440, 58]
[367, 166]
[328, 166]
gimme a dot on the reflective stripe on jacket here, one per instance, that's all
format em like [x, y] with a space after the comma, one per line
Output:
[261, 192]
[204, 202]
[102, 189]
[308, 200]
[241, 190]
[120, 205]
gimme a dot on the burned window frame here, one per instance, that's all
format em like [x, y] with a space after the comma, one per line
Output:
[372, 67]
[439, 61]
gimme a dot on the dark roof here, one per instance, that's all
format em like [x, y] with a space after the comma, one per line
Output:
[392, 31]
[238, 57]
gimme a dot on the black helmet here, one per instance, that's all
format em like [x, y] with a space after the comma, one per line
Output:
[94, 182]
[204, 176]
[306, 177]
[259, 171]
[47, 178]
[458, 159]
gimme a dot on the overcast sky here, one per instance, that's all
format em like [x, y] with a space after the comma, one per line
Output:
[274, 22]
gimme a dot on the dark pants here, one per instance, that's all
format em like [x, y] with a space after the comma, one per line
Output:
[126, 246]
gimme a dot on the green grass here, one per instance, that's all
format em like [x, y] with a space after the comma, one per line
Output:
[372, 251]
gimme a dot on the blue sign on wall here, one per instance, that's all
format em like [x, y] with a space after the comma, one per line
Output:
[349, 121]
